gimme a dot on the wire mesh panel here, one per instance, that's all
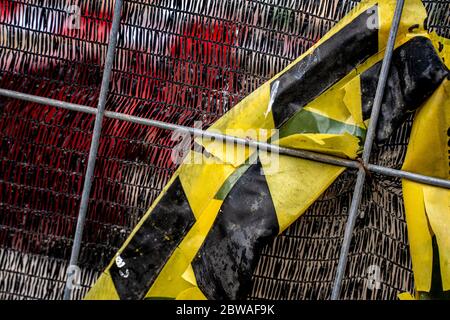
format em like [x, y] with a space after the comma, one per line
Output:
[179, 62]
[438, 17]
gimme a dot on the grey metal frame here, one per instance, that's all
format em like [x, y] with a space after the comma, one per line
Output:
[100, 112]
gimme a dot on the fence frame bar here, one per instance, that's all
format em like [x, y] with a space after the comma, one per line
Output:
[309, 155]
[100, 111]
[371, 131]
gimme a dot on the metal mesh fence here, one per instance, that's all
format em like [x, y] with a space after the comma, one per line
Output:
[301, 263]
[178, 62]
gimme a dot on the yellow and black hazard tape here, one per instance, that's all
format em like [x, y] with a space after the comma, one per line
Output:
[202, 237]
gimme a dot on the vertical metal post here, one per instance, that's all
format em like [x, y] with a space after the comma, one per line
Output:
[357, 194]
[93, 150]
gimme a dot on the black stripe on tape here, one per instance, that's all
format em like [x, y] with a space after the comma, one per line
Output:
[138, 265]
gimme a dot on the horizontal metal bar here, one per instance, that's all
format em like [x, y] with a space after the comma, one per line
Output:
[251, 143]
[315, 156]
[47, 101]
[409, 176]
